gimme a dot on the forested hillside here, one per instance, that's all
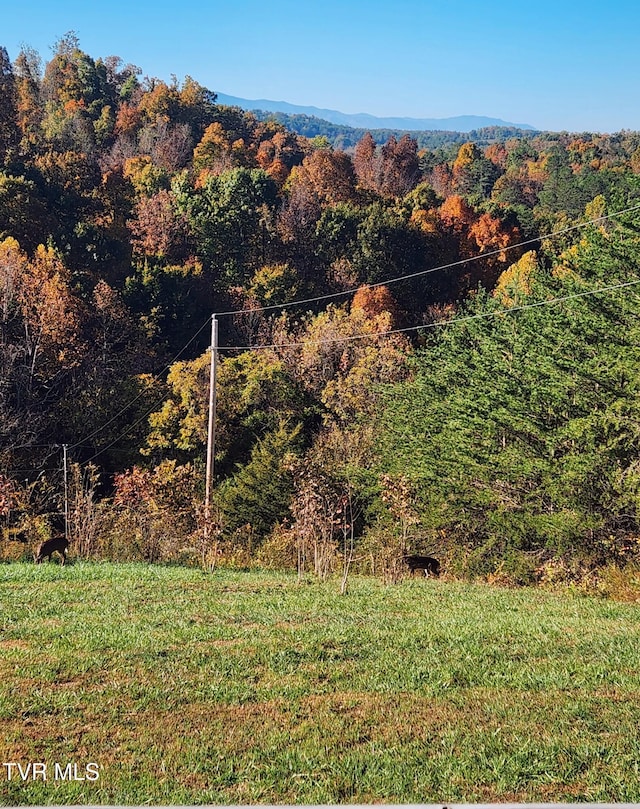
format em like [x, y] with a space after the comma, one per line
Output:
[341, 136]
[461, 376]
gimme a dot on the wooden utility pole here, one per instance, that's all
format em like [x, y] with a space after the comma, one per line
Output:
[211, 431]
[66, 492]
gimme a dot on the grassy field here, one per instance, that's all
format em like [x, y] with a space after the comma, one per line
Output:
[250, 688]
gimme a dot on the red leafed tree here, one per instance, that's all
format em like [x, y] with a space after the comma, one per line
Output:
[392, 170]
[441, 178]
[159, 231]
[399, 170]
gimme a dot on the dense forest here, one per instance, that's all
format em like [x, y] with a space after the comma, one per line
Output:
[421, 349]
[344, 137]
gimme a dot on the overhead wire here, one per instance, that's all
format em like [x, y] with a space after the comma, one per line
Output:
[439, 323]
[439, 268]
[436, 324]
[141, 394]
[389, 332]
[147, 413]
[329, 296]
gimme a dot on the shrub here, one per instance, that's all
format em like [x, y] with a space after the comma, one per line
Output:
[279, 551]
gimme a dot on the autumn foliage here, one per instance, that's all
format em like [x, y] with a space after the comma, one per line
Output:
[132, 208]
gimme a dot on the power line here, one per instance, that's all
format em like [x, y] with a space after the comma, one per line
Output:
[330, 296]
[440, 323]
[451, 265]
[33, 446]
[141, 394]
[124, 409]
[38, 469]
[128, 430]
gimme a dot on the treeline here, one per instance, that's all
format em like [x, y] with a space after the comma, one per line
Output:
[131, 209]
[345, 137]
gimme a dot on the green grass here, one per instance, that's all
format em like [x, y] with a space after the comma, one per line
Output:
[250, 688]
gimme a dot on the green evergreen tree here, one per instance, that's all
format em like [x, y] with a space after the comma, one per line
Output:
[259, 493]
[520, 428]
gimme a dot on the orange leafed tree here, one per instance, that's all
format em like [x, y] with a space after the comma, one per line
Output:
[363, 162]
[128, 119]
[51, 316]
[327, 173]
[278, 154]
[490, 234]
[373, 301]
[456, 213]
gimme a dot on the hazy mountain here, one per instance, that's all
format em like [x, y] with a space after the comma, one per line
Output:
[459, 123]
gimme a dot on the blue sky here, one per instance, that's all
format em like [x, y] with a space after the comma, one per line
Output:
[553, 64]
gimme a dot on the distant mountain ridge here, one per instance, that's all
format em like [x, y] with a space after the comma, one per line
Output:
[459, 123]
